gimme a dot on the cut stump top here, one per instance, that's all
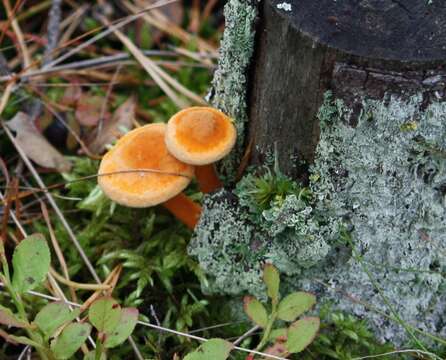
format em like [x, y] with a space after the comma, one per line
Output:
[404, 30]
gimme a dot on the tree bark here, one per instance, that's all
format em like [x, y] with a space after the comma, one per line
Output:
[357, 49]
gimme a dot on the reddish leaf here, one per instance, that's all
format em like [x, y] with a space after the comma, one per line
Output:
[7, 317]
[72, 95]
[121, 121]
[88, 110]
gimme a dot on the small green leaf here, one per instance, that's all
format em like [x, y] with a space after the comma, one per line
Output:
[255, 310]
[294, 305]
[91, 355]
[104, 314]
[271, 279]
[70, 340]
[7, 317]
[31, 263]
[215, 349]
[302, 333]
[25, 341]
[125, 327]
[278, 333]
[53, 316]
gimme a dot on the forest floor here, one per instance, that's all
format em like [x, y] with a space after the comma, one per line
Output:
[75, 76]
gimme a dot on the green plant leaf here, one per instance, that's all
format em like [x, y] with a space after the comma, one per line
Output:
[31, 263]
[91, 355]
[125, 327]
[53, 316]
[25, 341]
[70, 340]
[7, 317]
[255, 310]
[271, 279]
[104, 314]
[302, 333]
[294, 305]
[215, 349]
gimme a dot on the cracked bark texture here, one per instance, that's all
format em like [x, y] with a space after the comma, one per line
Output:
[357, 48]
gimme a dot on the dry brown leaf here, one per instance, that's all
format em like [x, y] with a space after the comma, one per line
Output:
[88, 110]
[34, 144]
[114, 128]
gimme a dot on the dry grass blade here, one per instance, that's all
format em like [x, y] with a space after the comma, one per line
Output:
[107, 31]
[6, 95]
[76, 285]
[56, 246]
[111, 278]
[19, 34]
[168, 27]
[147, 64]
[206, 61]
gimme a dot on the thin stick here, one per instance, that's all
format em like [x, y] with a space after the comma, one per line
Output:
[53, 31]
[413, 351]
[19, 34]
[52, 40]
[108, 60]
[246, 335]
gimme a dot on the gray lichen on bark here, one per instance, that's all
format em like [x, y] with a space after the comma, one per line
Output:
[385, 180]
[229, 86]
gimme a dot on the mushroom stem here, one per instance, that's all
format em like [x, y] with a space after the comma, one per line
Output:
[184, 209]
[207, 178]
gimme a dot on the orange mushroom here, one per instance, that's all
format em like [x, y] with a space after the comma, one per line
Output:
[201, 136]
[161, 178]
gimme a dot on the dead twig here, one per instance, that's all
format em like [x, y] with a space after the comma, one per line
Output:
[20, 38]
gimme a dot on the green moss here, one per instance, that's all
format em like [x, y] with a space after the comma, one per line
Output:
[269, 218]
[229, 90]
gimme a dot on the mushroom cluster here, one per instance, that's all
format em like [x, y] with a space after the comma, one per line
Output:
[153, 164]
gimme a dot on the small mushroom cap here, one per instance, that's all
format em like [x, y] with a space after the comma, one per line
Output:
[143, 148]
[200, 135]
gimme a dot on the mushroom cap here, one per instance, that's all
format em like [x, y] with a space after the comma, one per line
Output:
[143, 148]
[200, 135]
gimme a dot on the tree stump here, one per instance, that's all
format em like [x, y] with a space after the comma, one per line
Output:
[365, 48]
[349, 95]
